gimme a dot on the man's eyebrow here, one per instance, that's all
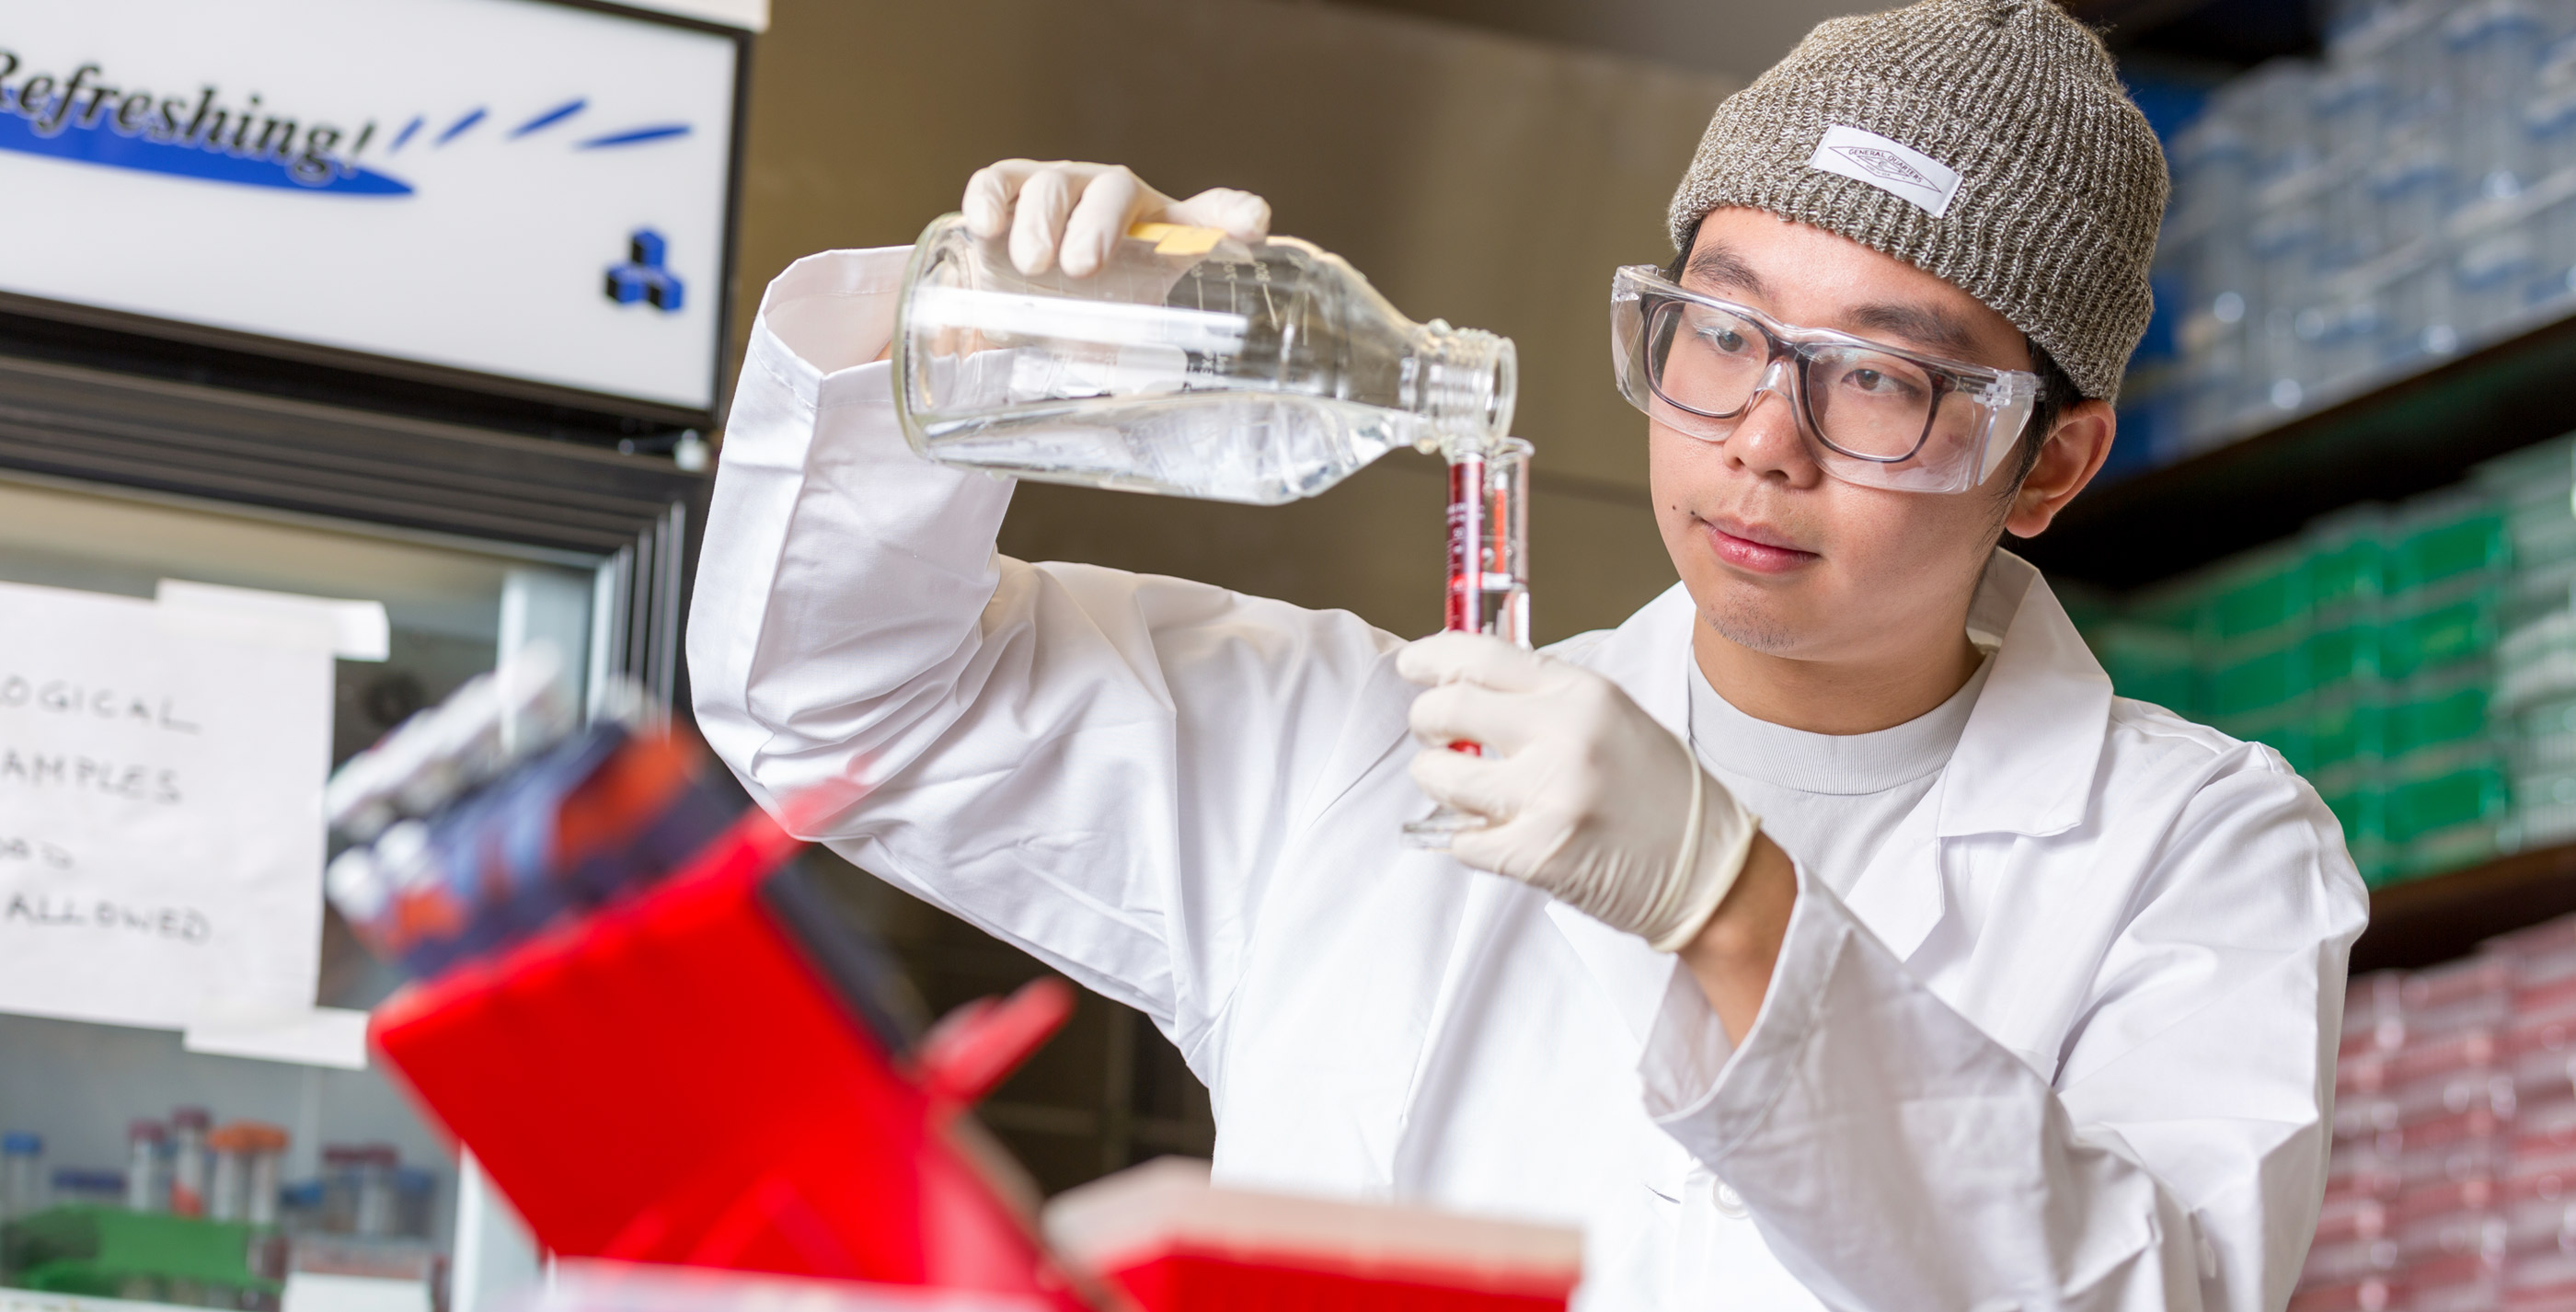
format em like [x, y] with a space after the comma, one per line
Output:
[1923, 325]
[1718, 266]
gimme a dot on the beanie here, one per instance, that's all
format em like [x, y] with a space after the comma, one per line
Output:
[1985, 142]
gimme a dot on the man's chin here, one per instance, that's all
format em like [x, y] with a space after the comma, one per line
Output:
[1749, 622]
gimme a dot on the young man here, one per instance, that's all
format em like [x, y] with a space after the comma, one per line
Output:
[1857, 944]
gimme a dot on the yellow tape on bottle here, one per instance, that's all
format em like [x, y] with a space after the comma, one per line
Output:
[1177, 238]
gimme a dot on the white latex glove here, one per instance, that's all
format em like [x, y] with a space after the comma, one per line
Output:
[1074, 214]
[1588, 798]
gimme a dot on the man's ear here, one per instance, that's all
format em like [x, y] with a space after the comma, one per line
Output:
[2069, 457]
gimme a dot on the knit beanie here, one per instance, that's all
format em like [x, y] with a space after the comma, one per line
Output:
[1985, 142]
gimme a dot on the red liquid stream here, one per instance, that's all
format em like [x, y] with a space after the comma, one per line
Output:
[1467, 520]
[1465, 612]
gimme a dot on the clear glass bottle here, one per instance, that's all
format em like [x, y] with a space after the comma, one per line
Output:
[1190, 365]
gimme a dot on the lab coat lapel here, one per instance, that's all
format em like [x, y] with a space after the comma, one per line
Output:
[2024, 764]
[2026, 761]
[1899, 894]
[1648, 657]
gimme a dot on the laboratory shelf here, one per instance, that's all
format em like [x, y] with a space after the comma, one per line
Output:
[2386, 441]
[2431, 920]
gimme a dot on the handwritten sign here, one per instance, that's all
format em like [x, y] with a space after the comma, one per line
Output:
[161, 773]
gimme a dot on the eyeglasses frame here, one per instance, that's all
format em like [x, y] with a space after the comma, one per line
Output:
[1984, 383]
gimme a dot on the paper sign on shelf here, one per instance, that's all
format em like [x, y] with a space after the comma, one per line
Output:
[320, 1036]
[161, 840]
[359, 630]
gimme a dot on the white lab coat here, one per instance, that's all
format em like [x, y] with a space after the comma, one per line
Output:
[2068, 1041]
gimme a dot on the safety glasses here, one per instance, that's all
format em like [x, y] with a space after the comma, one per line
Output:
[1876, 415]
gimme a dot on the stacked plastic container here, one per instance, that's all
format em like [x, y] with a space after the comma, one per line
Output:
[2535, 696]
[2363, 650]
[491, 816]
[2452, 1186]
[2338, 221]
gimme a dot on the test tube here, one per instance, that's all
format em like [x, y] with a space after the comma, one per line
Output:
[416, 1193]
[225, 1188]
[378, 1210]
[341, 1166]
[267, 1161]
[1488, 576]
[143, 1142]
[188, 1127]
[245, 1178]
[22, 1175]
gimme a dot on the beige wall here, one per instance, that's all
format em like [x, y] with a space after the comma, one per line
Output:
[1738, 38]
[1479, 178]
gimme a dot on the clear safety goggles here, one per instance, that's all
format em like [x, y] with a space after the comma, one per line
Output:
[1875, 415]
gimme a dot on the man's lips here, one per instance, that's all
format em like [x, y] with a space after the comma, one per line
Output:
[1752, 547]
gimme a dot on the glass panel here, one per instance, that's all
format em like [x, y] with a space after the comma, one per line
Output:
[452, 610]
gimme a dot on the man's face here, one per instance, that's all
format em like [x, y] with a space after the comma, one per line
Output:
[1780, 558]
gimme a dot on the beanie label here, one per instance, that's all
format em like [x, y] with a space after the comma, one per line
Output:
[1891, 166]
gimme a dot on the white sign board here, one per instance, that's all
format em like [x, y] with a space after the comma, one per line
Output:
[510, 187]
[161, 837]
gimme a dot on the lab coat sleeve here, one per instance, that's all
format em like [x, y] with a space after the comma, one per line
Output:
[1102, 767]
[1896, 1157]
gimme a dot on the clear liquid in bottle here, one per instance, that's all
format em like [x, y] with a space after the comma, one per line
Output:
[1202, 368]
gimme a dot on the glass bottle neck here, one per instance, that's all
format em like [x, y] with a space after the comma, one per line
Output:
[1460, 383]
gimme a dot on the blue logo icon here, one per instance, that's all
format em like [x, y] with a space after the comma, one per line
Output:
[643, 278]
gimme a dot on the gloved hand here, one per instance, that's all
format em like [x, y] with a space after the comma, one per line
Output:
[1075, 213]
[1589, 798]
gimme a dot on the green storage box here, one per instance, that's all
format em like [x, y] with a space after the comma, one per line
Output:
[2344, 655]
[2355, 798]
[2176, 605]
[2447, 818]
[2087, 607]
[2442, 629]
[2347, 560]
[2255, 594]
[2532, 489]
[108, 1252]
[2444, 536]
[2147, 662]
[2348, 726]
[2255, 683]
[2437, 714]
[2285, 729]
